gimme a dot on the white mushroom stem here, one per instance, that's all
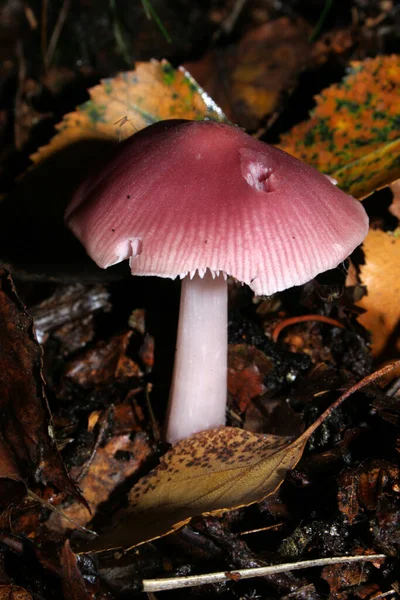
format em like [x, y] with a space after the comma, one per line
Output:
[198, 393]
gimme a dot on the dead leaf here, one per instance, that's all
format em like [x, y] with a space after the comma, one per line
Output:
[381, 275]
[343, 577]
[249, 79]
[210, 472]
[121, 106]
[247, 367]
[113, 463]
[347, 495]
[353, 131]
[27, 449]
[13, 592]
[104, 363]
[74, 585]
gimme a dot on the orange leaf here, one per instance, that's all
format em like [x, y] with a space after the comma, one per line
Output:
[381, 275]
[353, 131]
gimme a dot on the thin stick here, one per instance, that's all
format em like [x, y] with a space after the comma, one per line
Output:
[302, 319]
[384, 594]
[174, 583]
[62, 17]
[59, 512]
[43, 30]
[19, 50]
[355, 388]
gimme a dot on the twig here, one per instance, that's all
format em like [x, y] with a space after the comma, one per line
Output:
[151, 13]
[62, 17]
[103, 424]
[43, 29]
[230, 21]
[174, 583]
[19, 50]
[317, 29]
[355, 388]
[153, 420]
[302, 319]
[59, 512]
[118, 34]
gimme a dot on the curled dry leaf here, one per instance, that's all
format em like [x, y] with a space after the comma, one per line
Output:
[27, 450]
[121, 106]
[381, 275]
[353, 131]
[209, 472]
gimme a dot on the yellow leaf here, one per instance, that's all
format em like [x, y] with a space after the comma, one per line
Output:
[381, 275]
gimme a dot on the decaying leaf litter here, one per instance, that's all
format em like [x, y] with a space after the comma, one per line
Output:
[106, 370]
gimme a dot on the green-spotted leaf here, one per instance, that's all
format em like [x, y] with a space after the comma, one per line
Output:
[354, 131]
[122, 105]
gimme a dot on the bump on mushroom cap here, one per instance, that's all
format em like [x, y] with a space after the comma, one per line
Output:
[187, 196]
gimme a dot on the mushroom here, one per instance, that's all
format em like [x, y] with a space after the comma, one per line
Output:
[203, 200]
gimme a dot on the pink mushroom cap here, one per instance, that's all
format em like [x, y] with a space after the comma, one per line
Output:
[186, 196]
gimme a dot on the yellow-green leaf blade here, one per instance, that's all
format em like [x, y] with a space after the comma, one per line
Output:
[371, 172]
[122, 105]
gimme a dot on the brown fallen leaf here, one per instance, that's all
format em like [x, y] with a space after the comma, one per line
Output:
[247, 367]
[249, 79]
[27, 450]
[13, 592]
[342, 578]
[118, 459]
[104, 363]
[347, 495]
[209, 473]
[353, 132]
[381, 275]
[74, 585]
